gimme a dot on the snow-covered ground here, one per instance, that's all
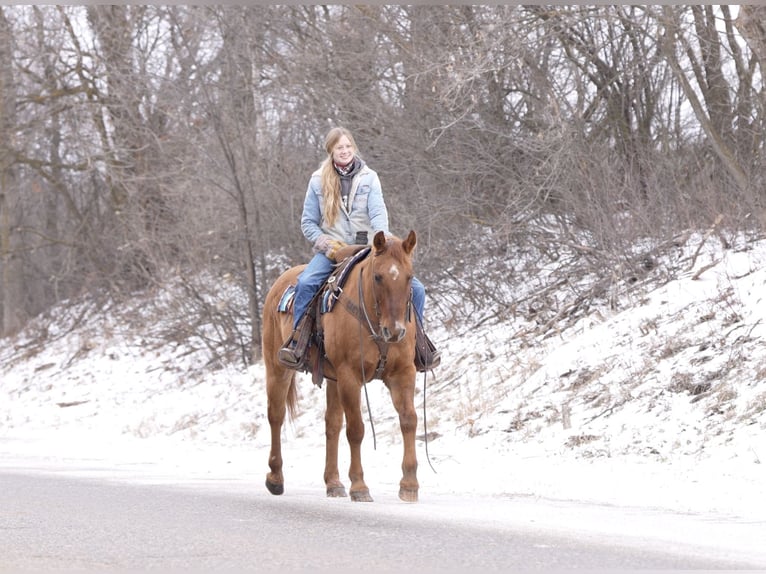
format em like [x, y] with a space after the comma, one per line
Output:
[648, 422]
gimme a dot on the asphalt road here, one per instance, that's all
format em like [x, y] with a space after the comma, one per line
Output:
[56, 523]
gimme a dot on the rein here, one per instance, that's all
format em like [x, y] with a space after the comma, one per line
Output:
[425, 421]
[361, 313]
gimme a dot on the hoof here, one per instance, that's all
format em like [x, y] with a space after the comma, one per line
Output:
[336, 491]
[275, 488]
[361, 496]
[408, 495]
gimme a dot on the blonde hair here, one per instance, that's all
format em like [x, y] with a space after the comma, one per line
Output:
[330, 178]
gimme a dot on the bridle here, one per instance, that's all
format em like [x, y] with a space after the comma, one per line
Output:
[360, 312]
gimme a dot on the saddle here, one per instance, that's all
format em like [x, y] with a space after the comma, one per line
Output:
[332, 287]
[323, 302]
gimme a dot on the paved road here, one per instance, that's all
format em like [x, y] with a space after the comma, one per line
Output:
[58, 523]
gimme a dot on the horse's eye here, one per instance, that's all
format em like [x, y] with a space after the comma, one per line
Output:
[378, 278]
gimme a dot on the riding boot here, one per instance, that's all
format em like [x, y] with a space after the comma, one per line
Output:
[426, 355]
[292, 354]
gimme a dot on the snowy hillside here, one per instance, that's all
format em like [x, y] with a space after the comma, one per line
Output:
[661, 404]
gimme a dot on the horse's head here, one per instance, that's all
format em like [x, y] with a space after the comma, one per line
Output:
[391, 283]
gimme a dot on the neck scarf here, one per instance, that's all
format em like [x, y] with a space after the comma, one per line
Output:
[345, 169]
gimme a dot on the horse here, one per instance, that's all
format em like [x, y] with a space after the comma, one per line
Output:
[376, 301]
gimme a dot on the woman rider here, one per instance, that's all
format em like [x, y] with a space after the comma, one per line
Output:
[343, 205]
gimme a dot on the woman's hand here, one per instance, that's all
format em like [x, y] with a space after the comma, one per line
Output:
[329, 246]
[335, 246]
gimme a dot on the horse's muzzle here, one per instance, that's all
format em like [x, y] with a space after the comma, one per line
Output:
[393, 336]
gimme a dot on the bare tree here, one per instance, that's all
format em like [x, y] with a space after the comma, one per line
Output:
[725, 111]
[156, 144]
[12, 284]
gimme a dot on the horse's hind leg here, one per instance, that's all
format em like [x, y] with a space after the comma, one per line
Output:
[280, 389]
[333, 422]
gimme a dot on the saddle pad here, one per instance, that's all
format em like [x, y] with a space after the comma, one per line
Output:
[286, 301]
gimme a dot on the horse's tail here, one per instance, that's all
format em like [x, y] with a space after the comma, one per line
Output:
[292, 399]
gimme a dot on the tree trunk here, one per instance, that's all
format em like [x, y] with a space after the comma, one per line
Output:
[751, 22]
[713, 131]
[11, 288]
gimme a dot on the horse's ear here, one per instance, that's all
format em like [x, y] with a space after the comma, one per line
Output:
[409, 243]
[379, 241]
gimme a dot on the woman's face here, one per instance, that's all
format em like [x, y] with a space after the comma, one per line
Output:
[343, 151]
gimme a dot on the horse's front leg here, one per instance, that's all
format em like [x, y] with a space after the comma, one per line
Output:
[333, 422]
[350, 397]
[403, 397]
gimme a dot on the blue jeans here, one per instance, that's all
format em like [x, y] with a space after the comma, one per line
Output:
[318, 270]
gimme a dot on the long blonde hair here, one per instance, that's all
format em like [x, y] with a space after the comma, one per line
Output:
[330, 177]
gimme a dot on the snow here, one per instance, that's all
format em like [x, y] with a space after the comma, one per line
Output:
[644, 423]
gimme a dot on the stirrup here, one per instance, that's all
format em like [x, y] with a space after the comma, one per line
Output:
[288, 355]
[426, 355]
[427, 359]
[294, 353]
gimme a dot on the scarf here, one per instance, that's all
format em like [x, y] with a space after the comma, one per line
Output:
[347, 173]
[345, 169]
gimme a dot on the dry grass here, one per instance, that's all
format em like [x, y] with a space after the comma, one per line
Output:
[579, 440]
[756, 406]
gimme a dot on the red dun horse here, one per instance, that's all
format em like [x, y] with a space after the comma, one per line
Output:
[370, 333]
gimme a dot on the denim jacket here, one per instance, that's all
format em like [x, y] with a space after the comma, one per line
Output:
[367, 211]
